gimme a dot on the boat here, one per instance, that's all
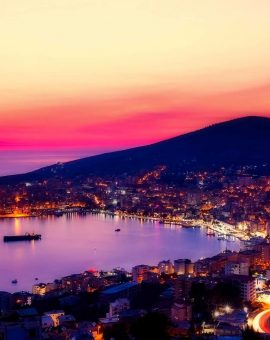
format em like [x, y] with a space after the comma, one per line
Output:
[26, 237]
[117, 230]
[187, 224]
[164, 222]
[210, 233]
[15, 281]
[184, 225]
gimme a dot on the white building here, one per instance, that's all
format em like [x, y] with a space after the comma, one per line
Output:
[248, 290]
[118, 306]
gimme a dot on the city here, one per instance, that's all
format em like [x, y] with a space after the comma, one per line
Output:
[227, 204]
[134, 170]
[231, 202]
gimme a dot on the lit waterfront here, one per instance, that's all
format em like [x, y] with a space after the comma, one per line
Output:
[74, 243]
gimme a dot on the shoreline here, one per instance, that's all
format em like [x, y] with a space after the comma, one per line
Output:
[223, 229]
[116, 219]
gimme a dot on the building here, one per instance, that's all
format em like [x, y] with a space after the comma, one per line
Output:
[123, 290]
[183, 267]
[54, 315]
[260, 283]
[249, 256]
[22, 299]
[46, 322]
[181, 312]
[52, 286]
[67, 321]
[39, 289]
[236, 268]
[165, 267]
[182, 287]
[202, 267]
[139, 271]
[268, 274]
[5, 302]
[118, 306]
[73, 283]
[247, 288]
[92, 282]
[151, 277]
[265, 252]
[218, 262]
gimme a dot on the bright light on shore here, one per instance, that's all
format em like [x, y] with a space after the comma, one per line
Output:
[216, 314]
[227, 309]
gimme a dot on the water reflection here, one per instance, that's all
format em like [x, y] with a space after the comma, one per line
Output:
[75, 242]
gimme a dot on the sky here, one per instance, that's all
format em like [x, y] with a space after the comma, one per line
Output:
[82, 77]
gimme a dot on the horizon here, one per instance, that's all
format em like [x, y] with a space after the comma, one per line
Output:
[30, 163]
[124, 74]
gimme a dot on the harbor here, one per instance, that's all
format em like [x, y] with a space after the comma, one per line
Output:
[90, 241]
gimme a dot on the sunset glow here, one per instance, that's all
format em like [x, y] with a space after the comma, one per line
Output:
[79, 77]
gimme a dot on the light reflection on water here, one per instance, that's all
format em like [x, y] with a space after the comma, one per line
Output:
[73, 243]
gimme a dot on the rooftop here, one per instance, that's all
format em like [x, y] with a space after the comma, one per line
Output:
[119, 288]
[27, 312]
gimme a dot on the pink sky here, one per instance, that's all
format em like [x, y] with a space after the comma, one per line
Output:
[83, 77]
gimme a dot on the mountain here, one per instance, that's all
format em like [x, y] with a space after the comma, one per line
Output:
[238, 142]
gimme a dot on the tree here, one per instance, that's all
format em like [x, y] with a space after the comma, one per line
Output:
[152, 326]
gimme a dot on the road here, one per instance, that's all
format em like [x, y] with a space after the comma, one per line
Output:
[261, 322]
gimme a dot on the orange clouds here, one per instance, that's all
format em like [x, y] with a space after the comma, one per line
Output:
[115, 123]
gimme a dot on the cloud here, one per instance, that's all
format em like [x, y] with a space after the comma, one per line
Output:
[128, 120]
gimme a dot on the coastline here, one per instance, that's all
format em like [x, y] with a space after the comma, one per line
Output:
[223, 229]
[111, 223]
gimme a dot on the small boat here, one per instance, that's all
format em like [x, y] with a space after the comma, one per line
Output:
[14, 281]
[117, 230]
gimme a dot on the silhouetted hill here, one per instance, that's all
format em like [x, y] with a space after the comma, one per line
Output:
[243, 141]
